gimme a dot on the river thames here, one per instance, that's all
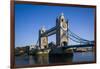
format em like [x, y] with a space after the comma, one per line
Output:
[46, 59]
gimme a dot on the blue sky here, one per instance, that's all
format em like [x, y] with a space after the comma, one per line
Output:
[30, 18]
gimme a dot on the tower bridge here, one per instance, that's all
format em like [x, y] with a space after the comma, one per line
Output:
[63, 35]
[44, 34]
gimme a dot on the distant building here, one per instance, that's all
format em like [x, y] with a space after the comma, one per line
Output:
[22, 50]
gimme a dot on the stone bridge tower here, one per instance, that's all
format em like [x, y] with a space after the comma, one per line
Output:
[43, 40]
[62, 27]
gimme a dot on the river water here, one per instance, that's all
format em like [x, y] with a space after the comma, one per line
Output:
[46, 59]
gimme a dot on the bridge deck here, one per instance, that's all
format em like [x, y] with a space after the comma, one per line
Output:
[76, 46]
[50, 31]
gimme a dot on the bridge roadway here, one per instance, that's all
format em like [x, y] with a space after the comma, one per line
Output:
[74, 46]
[78, 46]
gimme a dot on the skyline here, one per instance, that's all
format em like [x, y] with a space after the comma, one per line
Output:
[30, 18]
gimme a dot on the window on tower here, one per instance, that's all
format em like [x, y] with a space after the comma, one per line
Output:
[62, 20]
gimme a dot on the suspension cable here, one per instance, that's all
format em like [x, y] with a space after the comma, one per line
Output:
[77, 35]
[75, 40]
[78, 38]
[37, 43]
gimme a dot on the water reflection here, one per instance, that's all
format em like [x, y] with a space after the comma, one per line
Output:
[31, 61]
[42, 59]
[61, 58]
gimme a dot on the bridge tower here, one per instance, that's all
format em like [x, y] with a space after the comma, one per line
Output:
[62, 27]
[43, 40]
